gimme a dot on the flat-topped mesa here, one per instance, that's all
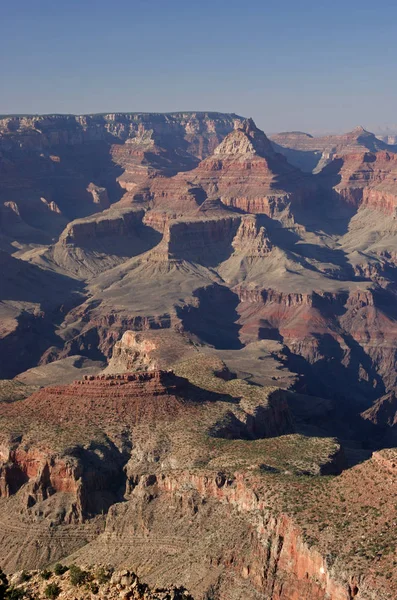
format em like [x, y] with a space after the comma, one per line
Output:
[109, 223]
[199, 240]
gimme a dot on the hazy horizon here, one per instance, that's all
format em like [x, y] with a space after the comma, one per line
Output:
[314, 68]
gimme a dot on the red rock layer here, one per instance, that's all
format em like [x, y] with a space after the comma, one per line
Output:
[280, 564]
[244, 172]
[357, 327]
[365, 179]
[105, 399]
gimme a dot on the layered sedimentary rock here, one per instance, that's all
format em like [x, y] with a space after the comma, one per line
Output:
[335, 332]
[95, 244]
[83, 462]
[108, 224]
[235, 269]
[201, 130]
[314, 153]
[366, 179]
[383, 414]
[244, 172]
[103, 411]
[204, 241]
[252, 238]
[32, 300]
[79, 164]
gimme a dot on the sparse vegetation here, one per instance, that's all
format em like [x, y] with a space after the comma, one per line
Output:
[60, 569]
[77, 575]
[15, 593]
[52, 591]
[127, 584]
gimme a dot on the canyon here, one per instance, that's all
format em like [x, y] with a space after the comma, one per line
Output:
[198, 341]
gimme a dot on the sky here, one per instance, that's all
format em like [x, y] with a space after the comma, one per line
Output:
[316, 66]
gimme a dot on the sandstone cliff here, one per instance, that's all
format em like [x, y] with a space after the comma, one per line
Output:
[244, 172]
[314, 152]
[364, 179]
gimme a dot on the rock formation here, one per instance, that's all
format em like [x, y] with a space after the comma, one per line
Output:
[74, 582]
[244, 172]
[212, 331]
[365, 179]
[311, 153]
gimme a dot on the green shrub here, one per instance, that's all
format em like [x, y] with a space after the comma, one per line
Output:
[52, 590]
[14, 593]
[77, 575]
[60, 569]
[45, 574]
[25, 576]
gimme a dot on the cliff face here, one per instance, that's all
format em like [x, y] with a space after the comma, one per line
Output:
[80, 164]
[112, 224]
[365, 179]
[205, 241]
[241, 258]
[281, 564]
[202, 130]
[244, 172]
[114, 405]
[311, 153]
[353, 327]
[188, 463]
[252, 238]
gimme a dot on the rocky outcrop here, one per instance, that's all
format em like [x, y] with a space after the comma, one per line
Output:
[104, 581]
[314, 153]
[47, 475]
[95, 244]
[365, 179]
[251, 238]
[99, 196]
[384, 412]
[281, 564]
[99, 331]
[244, 172]
[131, 351]
[82, 164]
[356, 326]
[201, 131]
[113, 223]
[206, 240]
[95, 418]
[246, 139]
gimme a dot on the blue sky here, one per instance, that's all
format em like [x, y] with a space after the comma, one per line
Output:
[313, 66]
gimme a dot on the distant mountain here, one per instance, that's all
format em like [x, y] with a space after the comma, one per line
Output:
[313, 153]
